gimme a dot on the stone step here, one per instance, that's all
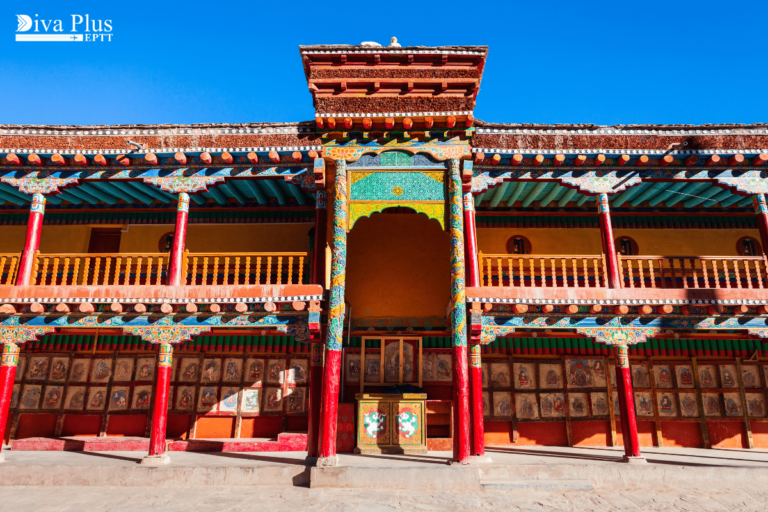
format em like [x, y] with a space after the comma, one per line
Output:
[537, 485]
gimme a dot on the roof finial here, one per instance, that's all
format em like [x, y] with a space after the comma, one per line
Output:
[394, 43]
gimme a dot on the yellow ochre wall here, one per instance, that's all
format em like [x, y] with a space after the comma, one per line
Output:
[398, 265]
[652, 242]
[145, 238]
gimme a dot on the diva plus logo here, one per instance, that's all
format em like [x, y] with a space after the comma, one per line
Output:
[76, 28]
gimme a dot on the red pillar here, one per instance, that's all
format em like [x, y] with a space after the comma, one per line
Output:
[627, 406]
[321, 232]
[470, 242]
[336, 308]
[179, 241]
[609, 246]
[761, 210]
[34, 225]
[315, 397]
[476, 387]
[8, 363]
[157, 455]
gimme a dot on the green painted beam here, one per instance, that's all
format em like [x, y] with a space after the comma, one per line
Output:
[735, 198]
[112, 190]
[217, 195]
[127, 189]
[626, 195]
[551, 196]
[583, 200]
[257, 193]
[13, 191]
[724, 194]
[82, 194]
[276, 191]
[537, 190]
[498, 194]
[10, 198]
[296, 192]
[479, 199]
[663, 196]
[703, 196]
[567, 197]
[149, 190]
[745, 202]
[65, 195]
[648, 193]
[686, 193]
[514, 195]
[231, 192]
[98, 193]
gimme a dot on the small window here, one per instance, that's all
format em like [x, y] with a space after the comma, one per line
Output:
[166, 242]
[518, 244]
[626, 246]
[748, 246]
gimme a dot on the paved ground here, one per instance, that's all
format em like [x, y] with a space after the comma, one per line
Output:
[116, 499]
[500, 456]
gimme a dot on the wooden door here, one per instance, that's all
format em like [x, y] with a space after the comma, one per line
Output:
[104, 241]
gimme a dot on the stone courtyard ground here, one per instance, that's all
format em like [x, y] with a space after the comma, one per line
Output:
[524, 478]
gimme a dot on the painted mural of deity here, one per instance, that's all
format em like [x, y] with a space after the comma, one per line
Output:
[665, 405]
[30, 398]
[232, 372]
[229, 401]
[52, 397]
[527, 410]
[255, 370]
[686, 377]
[211, 371]
[14, 396]
[558, 403]
[38, 369]
[251, 400]
[644, 406]
[599, 368]
[296, 400]
[522, 378]
[273, 399]
[275, 371]
[123, 370]
[428, 370]
[750, 378]
[601, 408]
[731, 407]
[579, 374]
[119, 399]
[186, 398]
[712, 407]
[756, 408]
[190, 371]
[552, 379]
[640, 377]
[707, 380]
[353, 370]
[728, 380]
[486, 404]
[578, 406]
[392, 363]
[142, 400]
[101, 371]
[504, 407]
[59, 369]
[688, 405]
[299, 373]
[146, 369]
[208, 397]
[97, 400]
[665, 378]
[443, 368]
[546, 406]
[372, 370]
[77, 400]
[79, 369]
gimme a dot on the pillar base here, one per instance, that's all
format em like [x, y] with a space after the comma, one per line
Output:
[634, 460]
[480, 459]
[156, 460]
[310, 461]
[469, 462]
[323, 462]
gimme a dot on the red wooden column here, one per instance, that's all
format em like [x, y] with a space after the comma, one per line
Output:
[761, 210]
[461, 439]
[179, 241]
[32, 244]
[157, 455]
[8, 363]
[627, 406]
[315, 381]
[476, 388]
[332, 369]
[609, 246]
[470, 242]
[11, 337]
[321, 233]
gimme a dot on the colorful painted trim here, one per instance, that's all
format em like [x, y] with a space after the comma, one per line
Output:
[458, 294]
[434, 211]
[474, 356]
[622, 356]
[165, 356]
[165, 335]
[320, 203]
[619, 336]
[760, 204]
[183, 202]
[38, 204]
[10, 356]
[177, 183]
[339, 259]
[33, 184]
[439, 150]
[18, 334]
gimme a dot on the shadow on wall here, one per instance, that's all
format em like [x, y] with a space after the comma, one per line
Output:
[398, 265]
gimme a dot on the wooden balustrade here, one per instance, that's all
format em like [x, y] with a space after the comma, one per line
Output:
[545, 271]
[745, 272]
[246, 268]
[9, 264]
[99, 269]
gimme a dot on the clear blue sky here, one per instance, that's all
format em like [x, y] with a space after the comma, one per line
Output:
[170, 61]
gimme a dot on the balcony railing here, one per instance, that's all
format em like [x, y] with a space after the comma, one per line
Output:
[744, 272]
[206, 269]
[555, 271]
[99, 269]
[247, 268]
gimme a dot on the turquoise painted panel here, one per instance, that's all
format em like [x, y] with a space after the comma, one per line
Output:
[399, 186]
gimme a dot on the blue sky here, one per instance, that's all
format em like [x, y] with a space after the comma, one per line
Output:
[613, 62]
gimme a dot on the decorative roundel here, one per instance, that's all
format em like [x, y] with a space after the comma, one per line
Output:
[398, 190]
